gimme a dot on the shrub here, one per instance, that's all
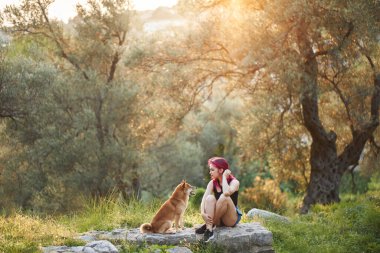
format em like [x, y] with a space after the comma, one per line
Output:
[265, 194]
[359, 186]
[195, 201]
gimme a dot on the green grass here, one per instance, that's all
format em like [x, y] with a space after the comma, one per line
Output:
[350, 226]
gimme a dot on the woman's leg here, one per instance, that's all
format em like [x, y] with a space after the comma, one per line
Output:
[210, 209]
[225, 212]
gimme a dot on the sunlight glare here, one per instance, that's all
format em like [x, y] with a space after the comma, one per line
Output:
[65, 9]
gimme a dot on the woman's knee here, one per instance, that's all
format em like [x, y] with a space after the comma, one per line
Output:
[224, 199]
[210, 199]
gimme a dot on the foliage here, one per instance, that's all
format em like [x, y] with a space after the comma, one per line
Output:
[97, 125]
[196, 200]
[250, 171]
[67, 152]
[374, 184]
[57, 118]
[285, 54]
[77, 128]
[264, 194]
[354, 183]
[166, 164]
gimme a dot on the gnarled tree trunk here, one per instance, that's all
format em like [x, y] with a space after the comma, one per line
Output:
[327, 167]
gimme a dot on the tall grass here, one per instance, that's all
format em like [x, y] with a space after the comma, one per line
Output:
[109, 213]
[27, 233]
[112, 212]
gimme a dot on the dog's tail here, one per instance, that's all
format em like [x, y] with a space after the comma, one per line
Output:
[146, 228]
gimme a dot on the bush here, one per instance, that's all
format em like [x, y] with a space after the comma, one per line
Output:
[265, 194]
[360, 183]
[195, 201]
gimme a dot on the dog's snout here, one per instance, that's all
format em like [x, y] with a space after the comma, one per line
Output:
[192, 191]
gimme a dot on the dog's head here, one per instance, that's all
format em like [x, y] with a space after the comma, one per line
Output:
[187, 188]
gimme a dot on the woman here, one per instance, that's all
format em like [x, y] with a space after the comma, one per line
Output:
[219, 202]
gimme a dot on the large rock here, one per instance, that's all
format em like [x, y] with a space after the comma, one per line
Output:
[265, 215]
[244, 238]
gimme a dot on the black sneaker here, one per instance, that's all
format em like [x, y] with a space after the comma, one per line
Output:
[201, 230]
[209, 235]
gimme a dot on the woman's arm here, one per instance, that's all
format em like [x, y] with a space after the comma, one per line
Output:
[229, 189]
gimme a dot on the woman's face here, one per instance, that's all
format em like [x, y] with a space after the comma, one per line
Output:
[214, 172]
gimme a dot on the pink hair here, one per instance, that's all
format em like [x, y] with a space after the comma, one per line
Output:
[220, 163]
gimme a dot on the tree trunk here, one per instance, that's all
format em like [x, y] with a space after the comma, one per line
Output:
[325, 175]
[327, 167]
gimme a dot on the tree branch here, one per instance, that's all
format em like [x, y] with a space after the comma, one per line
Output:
[309, 95]
[341, 44]
[57, 42]
[116, 57]
[351, 154]
[374, 144]
[344, 100]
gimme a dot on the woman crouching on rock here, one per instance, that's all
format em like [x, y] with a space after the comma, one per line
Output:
[219, 202]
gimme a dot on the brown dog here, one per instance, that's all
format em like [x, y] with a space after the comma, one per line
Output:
[172, 210]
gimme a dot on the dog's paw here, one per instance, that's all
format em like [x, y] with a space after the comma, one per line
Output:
[170, 231]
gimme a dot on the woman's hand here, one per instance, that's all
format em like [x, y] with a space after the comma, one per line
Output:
[207, 218]
[226, 173]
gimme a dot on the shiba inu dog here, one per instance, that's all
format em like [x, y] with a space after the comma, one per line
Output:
[171, 211]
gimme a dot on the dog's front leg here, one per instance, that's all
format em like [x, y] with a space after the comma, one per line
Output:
[181, 222]
[177, 219]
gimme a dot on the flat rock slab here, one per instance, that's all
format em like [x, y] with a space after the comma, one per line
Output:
[185, 236]
[256, 233]
[243, 238]
[114, 235]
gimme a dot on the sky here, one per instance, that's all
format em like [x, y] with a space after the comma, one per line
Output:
[65, 9]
